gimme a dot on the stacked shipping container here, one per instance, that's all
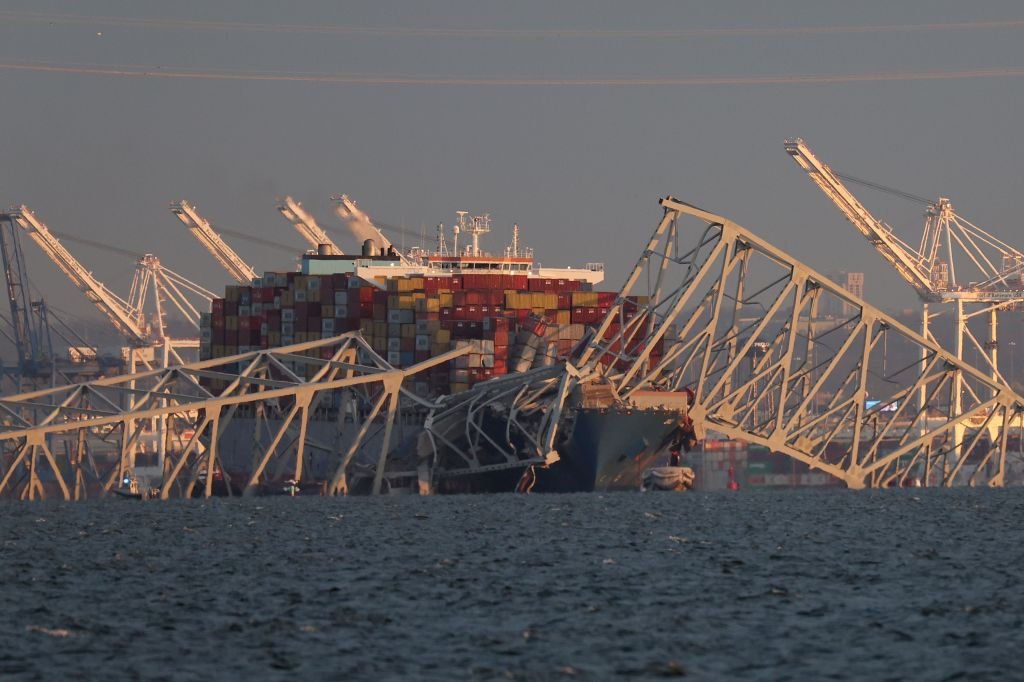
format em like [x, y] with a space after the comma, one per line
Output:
[510, 322]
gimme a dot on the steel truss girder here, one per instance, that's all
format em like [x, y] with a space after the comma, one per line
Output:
[462, 432]
[743, 326]
[92, 424]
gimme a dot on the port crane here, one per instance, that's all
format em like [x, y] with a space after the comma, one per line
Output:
[140, 318]
[28, 330]
[362, 227]
[241, 271]
[32, 326]
[995, 268]
[306, 225]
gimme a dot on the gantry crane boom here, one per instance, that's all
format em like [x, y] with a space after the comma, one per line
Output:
[357, 218]
[361, 225]
[110, 304]
[225, 255]
[306, 225]
[907, 263]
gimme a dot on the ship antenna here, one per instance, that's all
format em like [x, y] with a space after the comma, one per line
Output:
[441, 251]
[458, 228]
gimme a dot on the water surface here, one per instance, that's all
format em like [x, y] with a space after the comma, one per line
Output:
[760, 585]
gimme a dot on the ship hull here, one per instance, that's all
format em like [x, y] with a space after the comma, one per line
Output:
[609, 449]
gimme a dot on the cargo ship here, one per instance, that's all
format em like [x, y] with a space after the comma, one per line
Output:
[514, 315]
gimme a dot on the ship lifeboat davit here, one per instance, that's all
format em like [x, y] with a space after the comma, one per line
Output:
[671, 478]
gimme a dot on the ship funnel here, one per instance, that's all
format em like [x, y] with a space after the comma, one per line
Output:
[369, 248]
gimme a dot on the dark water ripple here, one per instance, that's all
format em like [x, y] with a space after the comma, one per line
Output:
[795, 585]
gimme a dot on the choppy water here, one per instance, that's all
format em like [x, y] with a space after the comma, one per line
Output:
[799, 585]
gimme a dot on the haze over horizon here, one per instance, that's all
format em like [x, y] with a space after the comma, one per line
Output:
[569, 120]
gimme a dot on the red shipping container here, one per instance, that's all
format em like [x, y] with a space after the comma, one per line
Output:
[455, 282]
[217, 306]
[459, 312]
[231, 337]
[313, 324]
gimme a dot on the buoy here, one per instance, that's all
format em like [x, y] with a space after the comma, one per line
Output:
[732, 485]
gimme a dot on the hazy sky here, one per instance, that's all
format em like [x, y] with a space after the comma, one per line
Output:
[570, 119]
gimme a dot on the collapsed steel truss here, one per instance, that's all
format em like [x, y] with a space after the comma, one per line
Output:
[755, 334]
[712, 318]
[73, 439]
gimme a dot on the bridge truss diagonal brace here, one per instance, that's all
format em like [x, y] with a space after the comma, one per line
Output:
[779, 355]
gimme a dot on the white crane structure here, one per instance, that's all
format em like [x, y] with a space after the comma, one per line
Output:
[956, 262]
[141, 317]
[306, 225]
[241, 271]
[362, 227]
